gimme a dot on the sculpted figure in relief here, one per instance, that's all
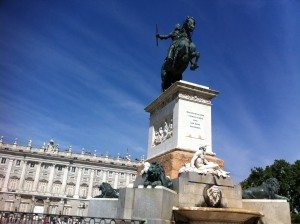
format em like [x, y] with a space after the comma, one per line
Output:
[200, 165]
[163, 133]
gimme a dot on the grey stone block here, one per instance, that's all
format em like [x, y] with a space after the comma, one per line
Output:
[274, 211]
[138, 181]
[232, 192]
[103, 207]
[231, 203]
[125, 205]
[154, 203]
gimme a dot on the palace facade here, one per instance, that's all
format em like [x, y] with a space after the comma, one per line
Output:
[47, 180]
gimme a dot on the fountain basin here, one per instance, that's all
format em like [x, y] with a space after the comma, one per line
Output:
[215, 215]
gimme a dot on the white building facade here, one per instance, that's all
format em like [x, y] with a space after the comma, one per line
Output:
[47, 180]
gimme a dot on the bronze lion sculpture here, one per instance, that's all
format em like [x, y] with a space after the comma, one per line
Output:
[107, 191]
[154, 176]
[268, 190]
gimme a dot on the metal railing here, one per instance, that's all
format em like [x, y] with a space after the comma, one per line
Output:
[7, 217]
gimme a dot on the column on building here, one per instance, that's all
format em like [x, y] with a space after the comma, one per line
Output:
[64, 180]
[90, 190]
[127, 179]
[37, 177]
[116, 180]
[50, 180]
[104, 176]
[7, 175]
[46, 205]
[22, 178]
[76, 195]
[61, 206]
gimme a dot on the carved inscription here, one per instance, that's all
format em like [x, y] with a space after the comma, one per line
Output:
[195, 125]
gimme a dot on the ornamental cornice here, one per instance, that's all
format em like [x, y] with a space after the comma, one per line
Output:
[193, 98]
[187, 90]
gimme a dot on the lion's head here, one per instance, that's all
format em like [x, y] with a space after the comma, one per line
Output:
[272, 185]
[107, 191]
[155, 171]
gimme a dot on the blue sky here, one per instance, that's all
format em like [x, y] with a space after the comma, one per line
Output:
[81, 72]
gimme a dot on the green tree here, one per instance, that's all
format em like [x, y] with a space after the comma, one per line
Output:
[296, 189]
[255, 178]
[288, 176]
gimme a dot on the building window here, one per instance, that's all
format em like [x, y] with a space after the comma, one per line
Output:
[52, 209]
[83, 192]
[13, 184]
[8, 206]
[86, 171]
[18, 162]
[98, 172]
[45, 166]
[42, 187]
[23, 207]
[28, 185]
[31, 165]
[67, 210]
[73, 169]
[132, 176]
[110, 174]
[56, 188]
[122, 175]
[70, 190]
[59, 168]
[3, 160]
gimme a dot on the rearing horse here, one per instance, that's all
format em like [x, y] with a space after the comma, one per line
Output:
[183, 53]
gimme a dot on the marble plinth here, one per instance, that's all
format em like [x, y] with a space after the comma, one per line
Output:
[180, 118]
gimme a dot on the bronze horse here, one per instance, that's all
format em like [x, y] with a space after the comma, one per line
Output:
[181, 53]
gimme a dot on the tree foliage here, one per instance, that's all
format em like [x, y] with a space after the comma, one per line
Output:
[288, 176]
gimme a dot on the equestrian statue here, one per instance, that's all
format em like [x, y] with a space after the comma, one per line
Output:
[181, 52]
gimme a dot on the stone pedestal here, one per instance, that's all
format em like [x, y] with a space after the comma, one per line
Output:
[152, 204]
[180, 122]
[274, 211]
[180, 118]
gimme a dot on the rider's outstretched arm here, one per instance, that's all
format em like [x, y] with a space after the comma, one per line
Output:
[164, 37]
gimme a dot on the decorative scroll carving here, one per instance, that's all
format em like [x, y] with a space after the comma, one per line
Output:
[193, 98]
[163, 132]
